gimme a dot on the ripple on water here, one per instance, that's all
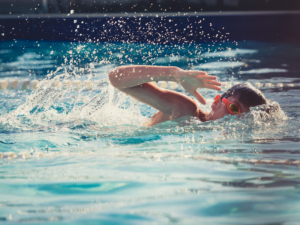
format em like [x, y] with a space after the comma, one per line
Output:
[89, 159]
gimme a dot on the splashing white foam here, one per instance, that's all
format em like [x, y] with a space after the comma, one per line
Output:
[51, 105]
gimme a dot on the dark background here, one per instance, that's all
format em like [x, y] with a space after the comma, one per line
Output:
[106, 6]
[74, 20]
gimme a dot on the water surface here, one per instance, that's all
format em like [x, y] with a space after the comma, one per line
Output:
[98, 163]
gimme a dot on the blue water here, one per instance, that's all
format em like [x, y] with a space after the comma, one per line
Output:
[92, 162]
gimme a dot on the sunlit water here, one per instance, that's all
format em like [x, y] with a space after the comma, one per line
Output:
[100, 164]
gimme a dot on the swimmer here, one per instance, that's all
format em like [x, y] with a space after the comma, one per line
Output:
[135, 81]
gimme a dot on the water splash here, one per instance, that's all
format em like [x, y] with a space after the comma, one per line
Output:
[53, 107]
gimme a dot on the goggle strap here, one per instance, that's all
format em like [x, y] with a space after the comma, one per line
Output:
[218, 96]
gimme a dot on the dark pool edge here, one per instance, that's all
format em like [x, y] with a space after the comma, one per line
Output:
[149, 14]
[183, 27]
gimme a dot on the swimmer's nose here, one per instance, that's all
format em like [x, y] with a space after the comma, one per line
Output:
[213, 106]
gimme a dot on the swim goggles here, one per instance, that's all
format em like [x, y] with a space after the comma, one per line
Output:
[232, 107]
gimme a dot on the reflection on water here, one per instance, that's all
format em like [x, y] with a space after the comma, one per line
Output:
[219, 65]
[91, 159]
[263, 70]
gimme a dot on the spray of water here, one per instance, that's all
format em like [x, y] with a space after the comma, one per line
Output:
[52, 107]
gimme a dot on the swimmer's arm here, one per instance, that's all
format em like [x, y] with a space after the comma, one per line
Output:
[134, 81]
[171, 104]
[124, 77]
[130, 76]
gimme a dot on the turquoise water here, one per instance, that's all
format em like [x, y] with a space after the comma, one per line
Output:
[92, 162]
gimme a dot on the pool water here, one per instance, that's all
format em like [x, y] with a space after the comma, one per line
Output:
[92, 161]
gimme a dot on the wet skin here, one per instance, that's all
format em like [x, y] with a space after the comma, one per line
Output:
[219, 110]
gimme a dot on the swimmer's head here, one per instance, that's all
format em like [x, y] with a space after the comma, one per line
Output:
[235, 100]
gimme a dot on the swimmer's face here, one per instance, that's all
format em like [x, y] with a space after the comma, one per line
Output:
[219, 109]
